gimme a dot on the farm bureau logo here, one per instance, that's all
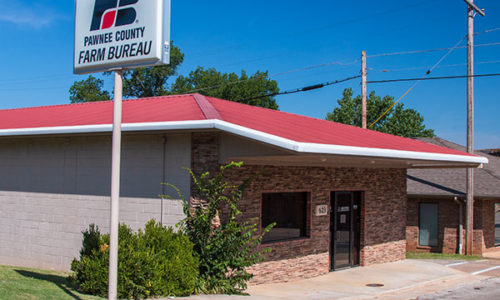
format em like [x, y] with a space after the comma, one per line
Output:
[108, 13]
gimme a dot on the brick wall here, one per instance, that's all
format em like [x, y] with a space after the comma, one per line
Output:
[383, 212]
[448, 222]
[447, 225]
[488, 223]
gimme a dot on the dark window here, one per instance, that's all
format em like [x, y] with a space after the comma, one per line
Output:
[288, 211]
[428, 224]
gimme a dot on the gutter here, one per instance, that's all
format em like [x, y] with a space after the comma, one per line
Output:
[299, 147]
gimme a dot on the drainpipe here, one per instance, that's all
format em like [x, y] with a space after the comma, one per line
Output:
[460, 224]
[163, 179]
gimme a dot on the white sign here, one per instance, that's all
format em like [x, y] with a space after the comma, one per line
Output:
[115, 34]
[321, 210]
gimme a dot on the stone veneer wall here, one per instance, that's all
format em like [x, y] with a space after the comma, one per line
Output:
[383, 211]
[484, 227]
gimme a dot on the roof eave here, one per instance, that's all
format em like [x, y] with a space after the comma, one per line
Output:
[429, 158]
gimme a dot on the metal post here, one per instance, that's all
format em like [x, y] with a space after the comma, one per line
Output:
[363, 89]
[115, 187]
[471, 8]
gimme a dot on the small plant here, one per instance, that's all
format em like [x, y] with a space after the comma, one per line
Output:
[225, 246]
[153, 262]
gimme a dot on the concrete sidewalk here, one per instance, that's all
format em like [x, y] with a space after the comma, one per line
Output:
[401, 280]
[493, 255]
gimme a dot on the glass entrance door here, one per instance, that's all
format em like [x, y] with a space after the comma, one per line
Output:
[345, 229]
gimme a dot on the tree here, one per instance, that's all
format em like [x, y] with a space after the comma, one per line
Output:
[225, 245]
[399, 120]
[88, 90]
[245, 89]
[151, 81]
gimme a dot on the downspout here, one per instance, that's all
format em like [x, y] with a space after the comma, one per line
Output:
[460, 224]
[163, 179]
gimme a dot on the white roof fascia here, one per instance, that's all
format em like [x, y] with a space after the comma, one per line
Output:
[255, 135]
[57, 130]
[344, 150]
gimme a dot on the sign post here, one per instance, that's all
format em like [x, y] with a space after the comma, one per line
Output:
[114, 35]
[115, 185]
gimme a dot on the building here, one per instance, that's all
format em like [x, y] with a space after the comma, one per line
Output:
[436, 206]
[337, 193]
[495, 152]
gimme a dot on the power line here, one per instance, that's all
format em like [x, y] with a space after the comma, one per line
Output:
[430, 50]
[32, 89]
[416, 83]
[425, 68]
[305, 32]
[433, 78]
[487, 31]
[340, 63]
[316, 67]
[34, 79]
[303, 89]
[442, 49]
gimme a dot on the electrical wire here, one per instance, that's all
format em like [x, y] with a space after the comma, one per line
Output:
[433, 78]
[276, 75]
[306, 32]
[52, 77]
[33, 79]
[430, 50]
[487, 31]
[425, 68]
[416, 83]
[32, 89]
[303, 89]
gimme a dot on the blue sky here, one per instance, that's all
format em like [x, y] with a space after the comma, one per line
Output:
[36, 54]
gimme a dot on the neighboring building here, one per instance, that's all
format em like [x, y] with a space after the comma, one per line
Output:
[55, 178]
[436, 206]
[495, 152]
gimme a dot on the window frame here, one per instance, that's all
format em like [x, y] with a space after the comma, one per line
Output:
[436, 204]
[308, 214]
[495, 205]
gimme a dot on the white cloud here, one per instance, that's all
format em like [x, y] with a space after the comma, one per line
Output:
[33, 14]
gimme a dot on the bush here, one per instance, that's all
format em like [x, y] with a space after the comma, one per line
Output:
[153, 262]
[226, 247]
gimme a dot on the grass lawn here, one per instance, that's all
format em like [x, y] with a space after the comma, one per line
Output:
[424, 255]
[23, 283]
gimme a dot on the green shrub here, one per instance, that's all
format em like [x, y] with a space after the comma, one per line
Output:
[227, 249]
[153, 262]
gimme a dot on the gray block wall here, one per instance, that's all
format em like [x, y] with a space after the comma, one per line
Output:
[53, 188]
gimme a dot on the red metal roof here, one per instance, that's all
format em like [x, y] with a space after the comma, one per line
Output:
[196, 107]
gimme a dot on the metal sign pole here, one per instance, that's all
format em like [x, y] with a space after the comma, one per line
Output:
[115, 186]
[363, 89]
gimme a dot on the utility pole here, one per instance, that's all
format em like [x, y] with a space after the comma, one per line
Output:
[471, 9]
[363, 89]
